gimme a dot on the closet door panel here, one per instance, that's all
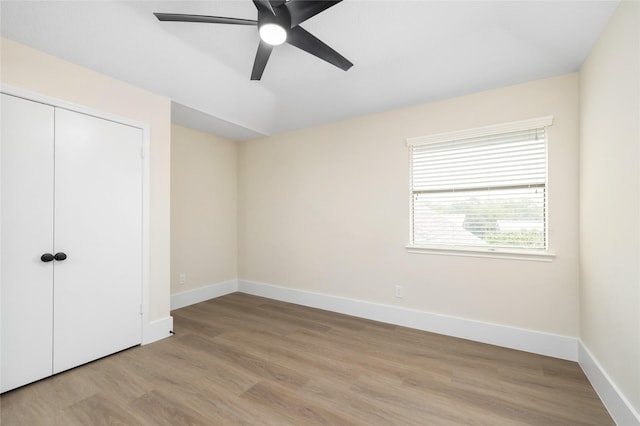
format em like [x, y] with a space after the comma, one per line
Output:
[98, 225]
[26, 234]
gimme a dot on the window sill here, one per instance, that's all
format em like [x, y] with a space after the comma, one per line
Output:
[538, 256]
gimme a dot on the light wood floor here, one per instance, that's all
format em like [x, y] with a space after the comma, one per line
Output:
[240, 359]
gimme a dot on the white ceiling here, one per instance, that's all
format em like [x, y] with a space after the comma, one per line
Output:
[405, 53]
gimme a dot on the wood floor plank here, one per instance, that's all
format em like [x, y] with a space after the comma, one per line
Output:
[277, 350]
[190, 369]
[429, 407]
[360, 408]
[228, 317]
[286, 402]
[261, 367]
[529, 396]
[246, 360]
[97, 410]
[331, 319]
[160, 409]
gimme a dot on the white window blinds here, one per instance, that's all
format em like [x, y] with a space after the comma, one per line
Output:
[481, 191]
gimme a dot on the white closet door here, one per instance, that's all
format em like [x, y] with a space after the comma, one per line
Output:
[27, 233]
[98, 225]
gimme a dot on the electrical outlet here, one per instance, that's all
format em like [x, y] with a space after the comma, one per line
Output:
[399, 291]
[183, 279]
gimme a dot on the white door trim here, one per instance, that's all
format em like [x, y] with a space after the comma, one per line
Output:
[148, 334]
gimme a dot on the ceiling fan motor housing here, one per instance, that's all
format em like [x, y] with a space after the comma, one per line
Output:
[280, 17]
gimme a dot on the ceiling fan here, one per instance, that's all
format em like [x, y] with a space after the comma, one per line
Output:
[278, 21]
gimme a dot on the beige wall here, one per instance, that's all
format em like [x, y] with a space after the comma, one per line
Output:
[610, 201]
[203, 209]
[326, 209]
[32, 70]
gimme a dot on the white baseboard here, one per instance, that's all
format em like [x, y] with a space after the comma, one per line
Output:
[197, 295]
[157, 330]
[619, 407]
[500, 335]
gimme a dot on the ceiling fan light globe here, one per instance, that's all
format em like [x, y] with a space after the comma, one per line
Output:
[273, 34]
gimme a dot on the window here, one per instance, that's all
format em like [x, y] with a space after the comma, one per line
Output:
[481, 189]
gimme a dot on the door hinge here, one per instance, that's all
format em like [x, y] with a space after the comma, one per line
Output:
[141, 309]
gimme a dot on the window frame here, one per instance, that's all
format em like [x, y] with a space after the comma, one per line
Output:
[492, 252]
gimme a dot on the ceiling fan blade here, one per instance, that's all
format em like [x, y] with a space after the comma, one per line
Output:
[304, 40]
[203, 18]
[262, 56]
[301, 10]
[264, 5]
